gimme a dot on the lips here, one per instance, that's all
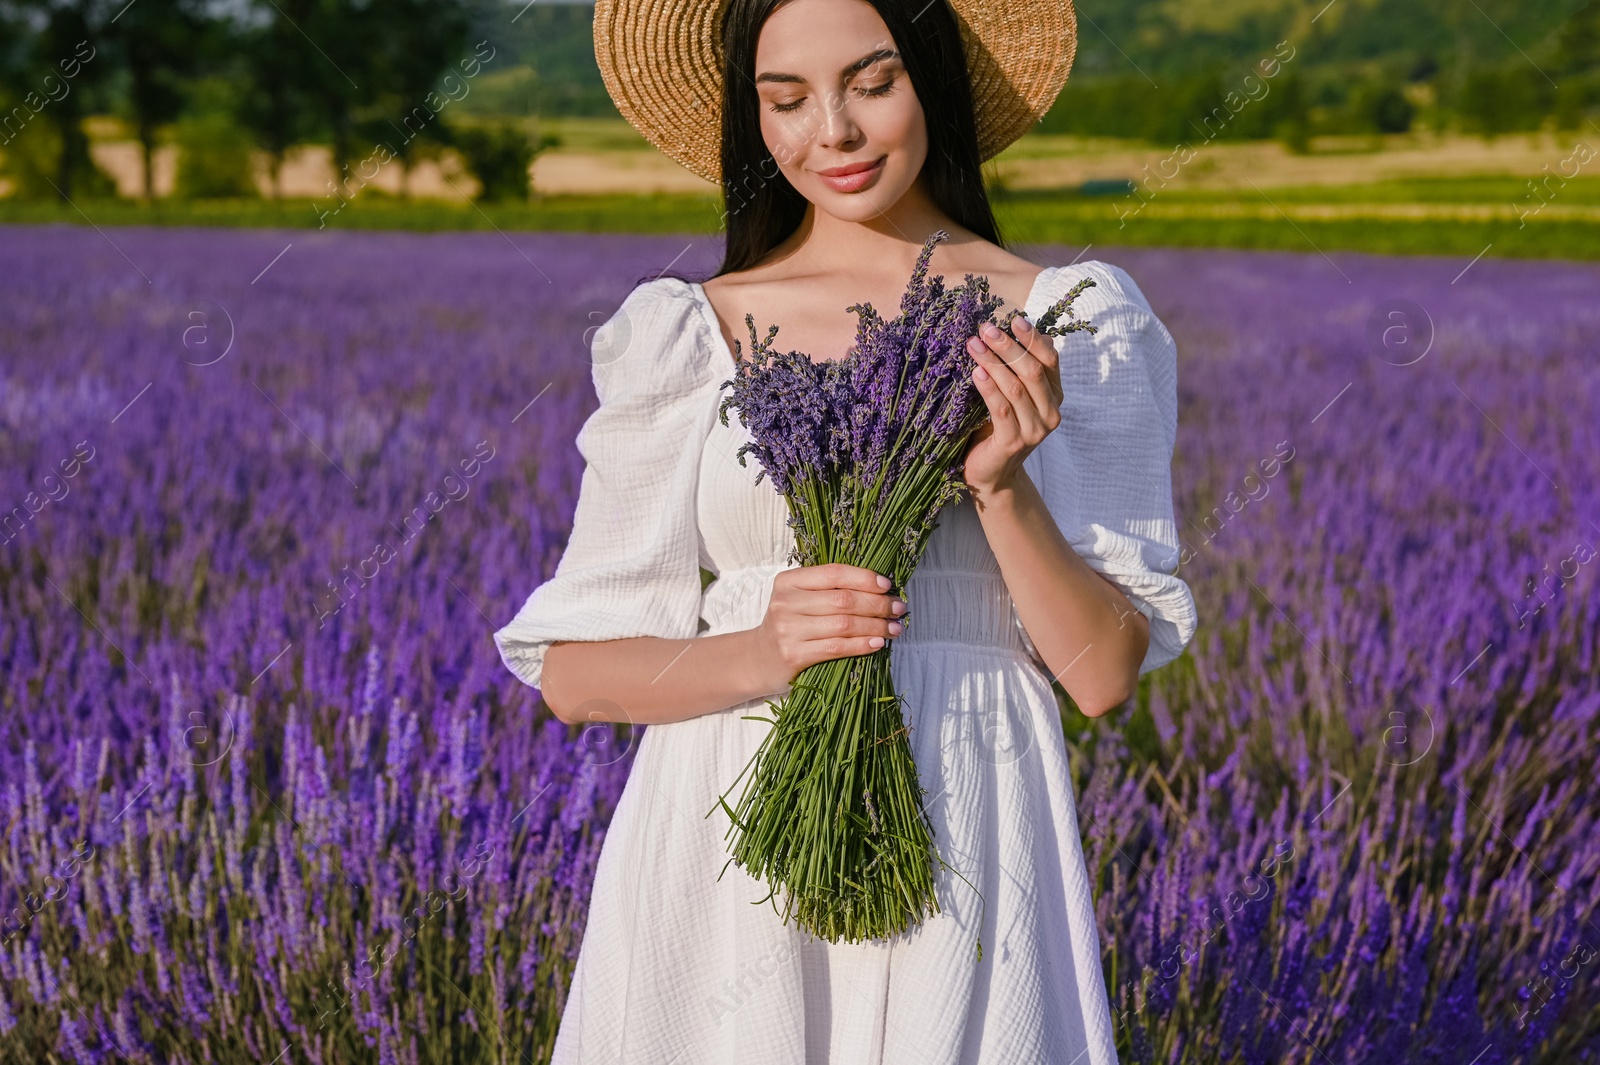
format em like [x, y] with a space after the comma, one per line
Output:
[852, 176]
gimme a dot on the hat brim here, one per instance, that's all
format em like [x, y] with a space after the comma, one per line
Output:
[661, 62]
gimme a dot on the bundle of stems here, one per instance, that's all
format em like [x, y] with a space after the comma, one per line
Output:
[866, 450]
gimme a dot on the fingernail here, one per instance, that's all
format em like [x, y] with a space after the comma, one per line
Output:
[980, 374]
[884, 582]
[990, 330]
[976, 346]
[895, 628]
[1022, 325]
[875, 643]
[897, 608]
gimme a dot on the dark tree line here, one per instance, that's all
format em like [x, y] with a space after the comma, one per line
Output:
[349, 73]
[1338, 83]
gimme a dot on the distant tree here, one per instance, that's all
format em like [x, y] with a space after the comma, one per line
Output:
[421, 43]
[68, 49]
[1578, 43]
[1498, 100]
[1196, 110]
[556, 41]
[160, 42]
[1117, 106]
[1293, 127]
[272, 106]
[328, 58]
[499, 155]
[14, 38]
[1380, 107]
[213, 148]
[1426, 66]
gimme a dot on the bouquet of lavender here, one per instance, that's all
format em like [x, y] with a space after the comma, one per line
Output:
[866, 450]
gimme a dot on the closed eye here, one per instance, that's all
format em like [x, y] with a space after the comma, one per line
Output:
[872, 91]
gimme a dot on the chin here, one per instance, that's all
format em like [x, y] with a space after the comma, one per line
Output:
[864, 205]
[853, 208]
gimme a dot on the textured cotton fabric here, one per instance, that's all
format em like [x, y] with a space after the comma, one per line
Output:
[677, 965]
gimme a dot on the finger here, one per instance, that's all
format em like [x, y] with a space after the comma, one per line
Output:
[1042, 346]
[831, 602]
[836, 636]
[1032, 361]
[1021, 384]
[828, 650]
[846, 626]
[999, 407]
[838, 575]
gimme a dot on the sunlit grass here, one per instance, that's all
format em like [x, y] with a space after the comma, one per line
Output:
[1454, 216]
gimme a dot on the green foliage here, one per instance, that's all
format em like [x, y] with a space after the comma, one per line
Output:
[554, 43]
[1508, 99]
[1578, 44]
[32, 159]
[1576, 96]
[1381, 107]
[1294, 124]
[158, 45]
[1222, 219]
[499, 155]
[213, 158]
[272, 104]
[1194, 109]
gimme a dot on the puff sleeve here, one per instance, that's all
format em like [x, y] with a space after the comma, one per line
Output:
[1106, 470]
[631, 564]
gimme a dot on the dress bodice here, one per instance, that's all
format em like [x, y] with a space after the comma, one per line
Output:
[956, 594]
[662, 486]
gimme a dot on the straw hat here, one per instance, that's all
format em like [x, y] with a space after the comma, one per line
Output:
[661, 61]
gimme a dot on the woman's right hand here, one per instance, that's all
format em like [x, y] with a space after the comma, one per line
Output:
[819, 613]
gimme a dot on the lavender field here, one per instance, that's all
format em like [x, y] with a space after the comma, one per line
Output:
[268, 794]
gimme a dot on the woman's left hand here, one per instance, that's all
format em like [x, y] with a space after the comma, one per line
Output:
[1020, 381]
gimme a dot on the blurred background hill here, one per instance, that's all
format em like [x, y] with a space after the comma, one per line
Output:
[1446, 117]
[1145, 66]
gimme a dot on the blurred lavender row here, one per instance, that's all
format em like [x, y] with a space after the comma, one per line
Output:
[268, 793]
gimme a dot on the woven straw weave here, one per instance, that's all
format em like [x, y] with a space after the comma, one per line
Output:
[662, 64]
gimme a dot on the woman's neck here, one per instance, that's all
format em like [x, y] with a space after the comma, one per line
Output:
[827, 244]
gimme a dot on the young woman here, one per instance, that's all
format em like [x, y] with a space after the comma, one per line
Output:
[849, 131]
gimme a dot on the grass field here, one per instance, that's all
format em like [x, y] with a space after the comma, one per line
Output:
[1496, 216]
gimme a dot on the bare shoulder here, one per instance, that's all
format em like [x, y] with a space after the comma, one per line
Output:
[1011, 277]
[734, 295]
[745, 285]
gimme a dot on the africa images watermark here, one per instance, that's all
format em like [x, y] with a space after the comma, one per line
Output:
[32, 104]
[55, 490]
[1233, 904]
[17, 922]
[1540, 990]
[430, 904]
[1254, 89]
[1234, 502]
[768, 170]
[383, 153]
[1545, 588]
[735, 995]
[1540, 194]
[455, 489]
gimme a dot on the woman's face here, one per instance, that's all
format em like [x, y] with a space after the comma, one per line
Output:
[834, 94]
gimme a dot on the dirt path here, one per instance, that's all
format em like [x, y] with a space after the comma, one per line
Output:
[1033, 163]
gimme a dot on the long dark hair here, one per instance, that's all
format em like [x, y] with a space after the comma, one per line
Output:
[759, 205]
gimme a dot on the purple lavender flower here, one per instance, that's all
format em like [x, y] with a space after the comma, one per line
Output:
[1386, 542]
[866, 451]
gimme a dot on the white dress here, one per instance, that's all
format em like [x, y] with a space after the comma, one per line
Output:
[678, 967]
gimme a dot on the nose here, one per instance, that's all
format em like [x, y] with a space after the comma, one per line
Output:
[838, 129]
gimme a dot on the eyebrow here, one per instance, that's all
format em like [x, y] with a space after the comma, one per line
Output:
[849, 72]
